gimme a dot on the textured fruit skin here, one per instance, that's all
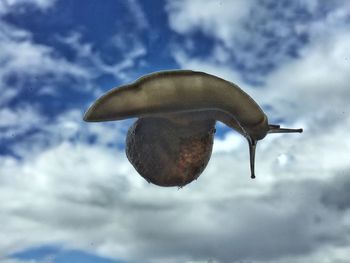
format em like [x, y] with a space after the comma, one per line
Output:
[168, 153]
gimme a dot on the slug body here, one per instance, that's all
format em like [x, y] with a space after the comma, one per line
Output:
[171, 142]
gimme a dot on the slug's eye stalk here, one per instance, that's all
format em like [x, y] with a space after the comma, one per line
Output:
[278, 129]
[252, 148]
[171, 142]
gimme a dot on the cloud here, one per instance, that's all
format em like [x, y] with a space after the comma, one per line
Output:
[10, 124]
[223, 215]
[218, 17]
[138, 13]
[26, 64]
[254, 38]
[34, 74]
[328, 79]
[209, 65]
[36, 79]
[21, 58]
[230, 142]
[7, 260]
[30, 70]
[24, 56]
[130, 50]
[36, 132]
[12, 6]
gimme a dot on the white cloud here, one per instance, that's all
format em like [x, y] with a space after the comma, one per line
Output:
[18, 125]
[220, 18]
[9, 6]
[22, 59]
[254, 38]
[208, 65]
[74, 190]
[29, 58]
[139, 15]
[228, 20]
[17, 121]
[7, 260]
[231, 141]
[322, 72]
[131, 49]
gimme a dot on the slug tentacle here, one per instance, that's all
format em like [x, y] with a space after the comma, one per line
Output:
[278, 129]
[171, 142]
[252, 148]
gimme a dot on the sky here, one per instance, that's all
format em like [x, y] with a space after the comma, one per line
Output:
[67, 190]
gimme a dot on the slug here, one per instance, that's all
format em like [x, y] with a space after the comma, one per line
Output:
[171, 142]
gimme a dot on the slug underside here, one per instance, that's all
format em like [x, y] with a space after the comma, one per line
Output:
[167, 153]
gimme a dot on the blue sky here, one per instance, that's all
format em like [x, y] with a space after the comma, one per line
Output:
[69, 193]
[55, 254]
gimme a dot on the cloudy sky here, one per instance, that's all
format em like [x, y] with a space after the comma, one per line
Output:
[67, 191]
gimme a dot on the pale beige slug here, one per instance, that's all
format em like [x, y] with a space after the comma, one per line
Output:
[171, 142]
